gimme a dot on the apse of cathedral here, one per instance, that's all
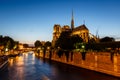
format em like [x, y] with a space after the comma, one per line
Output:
[81, 30]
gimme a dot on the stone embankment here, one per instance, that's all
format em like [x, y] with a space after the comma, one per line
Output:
[98, 61]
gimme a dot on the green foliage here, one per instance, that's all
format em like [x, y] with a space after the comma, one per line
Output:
[92, 40]
[47, 44]
[37, 44]
[103, 46]
[8, 42]
[107, 39]
[75, 39]
[60, 53]
[95, 46]
[66, 41]
[25, 45]
[16, 47]
[1, 40]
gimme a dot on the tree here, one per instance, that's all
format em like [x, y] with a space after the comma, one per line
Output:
[16, 46]
[47, 44]
[25, 45]
[92, 40]
[75, 39]
[64, 41]
[67, 42]
[37, 43]
[1, 40]
[107, 39]
[8, 42]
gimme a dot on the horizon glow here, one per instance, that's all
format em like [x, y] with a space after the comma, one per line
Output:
[29, 20]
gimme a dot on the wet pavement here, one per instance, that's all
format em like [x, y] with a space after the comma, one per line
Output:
[29, 67]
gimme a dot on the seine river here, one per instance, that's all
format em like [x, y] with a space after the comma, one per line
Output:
[28, 67]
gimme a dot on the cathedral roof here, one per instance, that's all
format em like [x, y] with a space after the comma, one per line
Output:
[81, 27]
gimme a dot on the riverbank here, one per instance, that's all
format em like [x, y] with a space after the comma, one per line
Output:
[3, 62]
[96, 61]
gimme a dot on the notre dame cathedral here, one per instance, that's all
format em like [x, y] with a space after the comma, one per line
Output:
[81, 30]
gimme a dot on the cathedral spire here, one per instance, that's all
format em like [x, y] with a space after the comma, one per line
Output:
[72, 21]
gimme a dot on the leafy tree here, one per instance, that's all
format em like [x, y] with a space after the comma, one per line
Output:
[47, 44]
[8, 42]
[67, 42]
[75, 39]
[107, 39]
[25, 45]
[16, 46]
[92, 40]
[37, 44]
[64, 41]
[1, 40]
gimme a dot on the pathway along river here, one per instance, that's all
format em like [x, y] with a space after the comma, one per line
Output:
[29, 67]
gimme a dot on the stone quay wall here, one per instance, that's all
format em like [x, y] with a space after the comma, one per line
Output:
[97, 61]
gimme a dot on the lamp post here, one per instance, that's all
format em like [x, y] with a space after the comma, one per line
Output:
[83, 51]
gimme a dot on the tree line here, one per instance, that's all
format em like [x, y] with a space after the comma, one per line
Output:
[8, 43]
[66, 41]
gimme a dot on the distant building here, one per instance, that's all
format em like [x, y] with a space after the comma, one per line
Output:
[1, 47]
[20, 46]
[81, 30]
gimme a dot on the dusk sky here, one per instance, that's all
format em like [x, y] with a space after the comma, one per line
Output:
[29, 20]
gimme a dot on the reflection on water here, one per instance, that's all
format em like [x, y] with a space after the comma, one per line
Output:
[29, 67]
[11, 62]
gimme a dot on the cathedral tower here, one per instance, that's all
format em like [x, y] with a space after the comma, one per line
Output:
[56, 33]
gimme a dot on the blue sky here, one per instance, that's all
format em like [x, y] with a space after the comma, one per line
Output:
[29, 20]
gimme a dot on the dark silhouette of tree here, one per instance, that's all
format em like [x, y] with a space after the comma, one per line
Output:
[92, 40]
[1, 40]
[8, 42]
[74, 40]
[37, 44]
[64, 41]
[16, 46]
[107, 39]
[47, 44]
[25, 45]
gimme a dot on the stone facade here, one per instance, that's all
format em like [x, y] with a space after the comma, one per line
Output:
[81, 30]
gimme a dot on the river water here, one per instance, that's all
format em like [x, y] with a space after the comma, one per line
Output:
[29, 67]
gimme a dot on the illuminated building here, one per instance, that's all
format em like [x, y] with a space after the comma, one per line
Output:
[81, 30]
[20, 46]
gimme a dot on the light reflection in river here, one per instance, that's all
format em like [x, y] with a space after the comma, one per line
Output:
[11, 62]
[19, 60]
[29, 67]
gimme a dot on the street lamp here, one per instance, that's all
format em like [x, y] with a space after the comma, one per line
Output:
[6, 49]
